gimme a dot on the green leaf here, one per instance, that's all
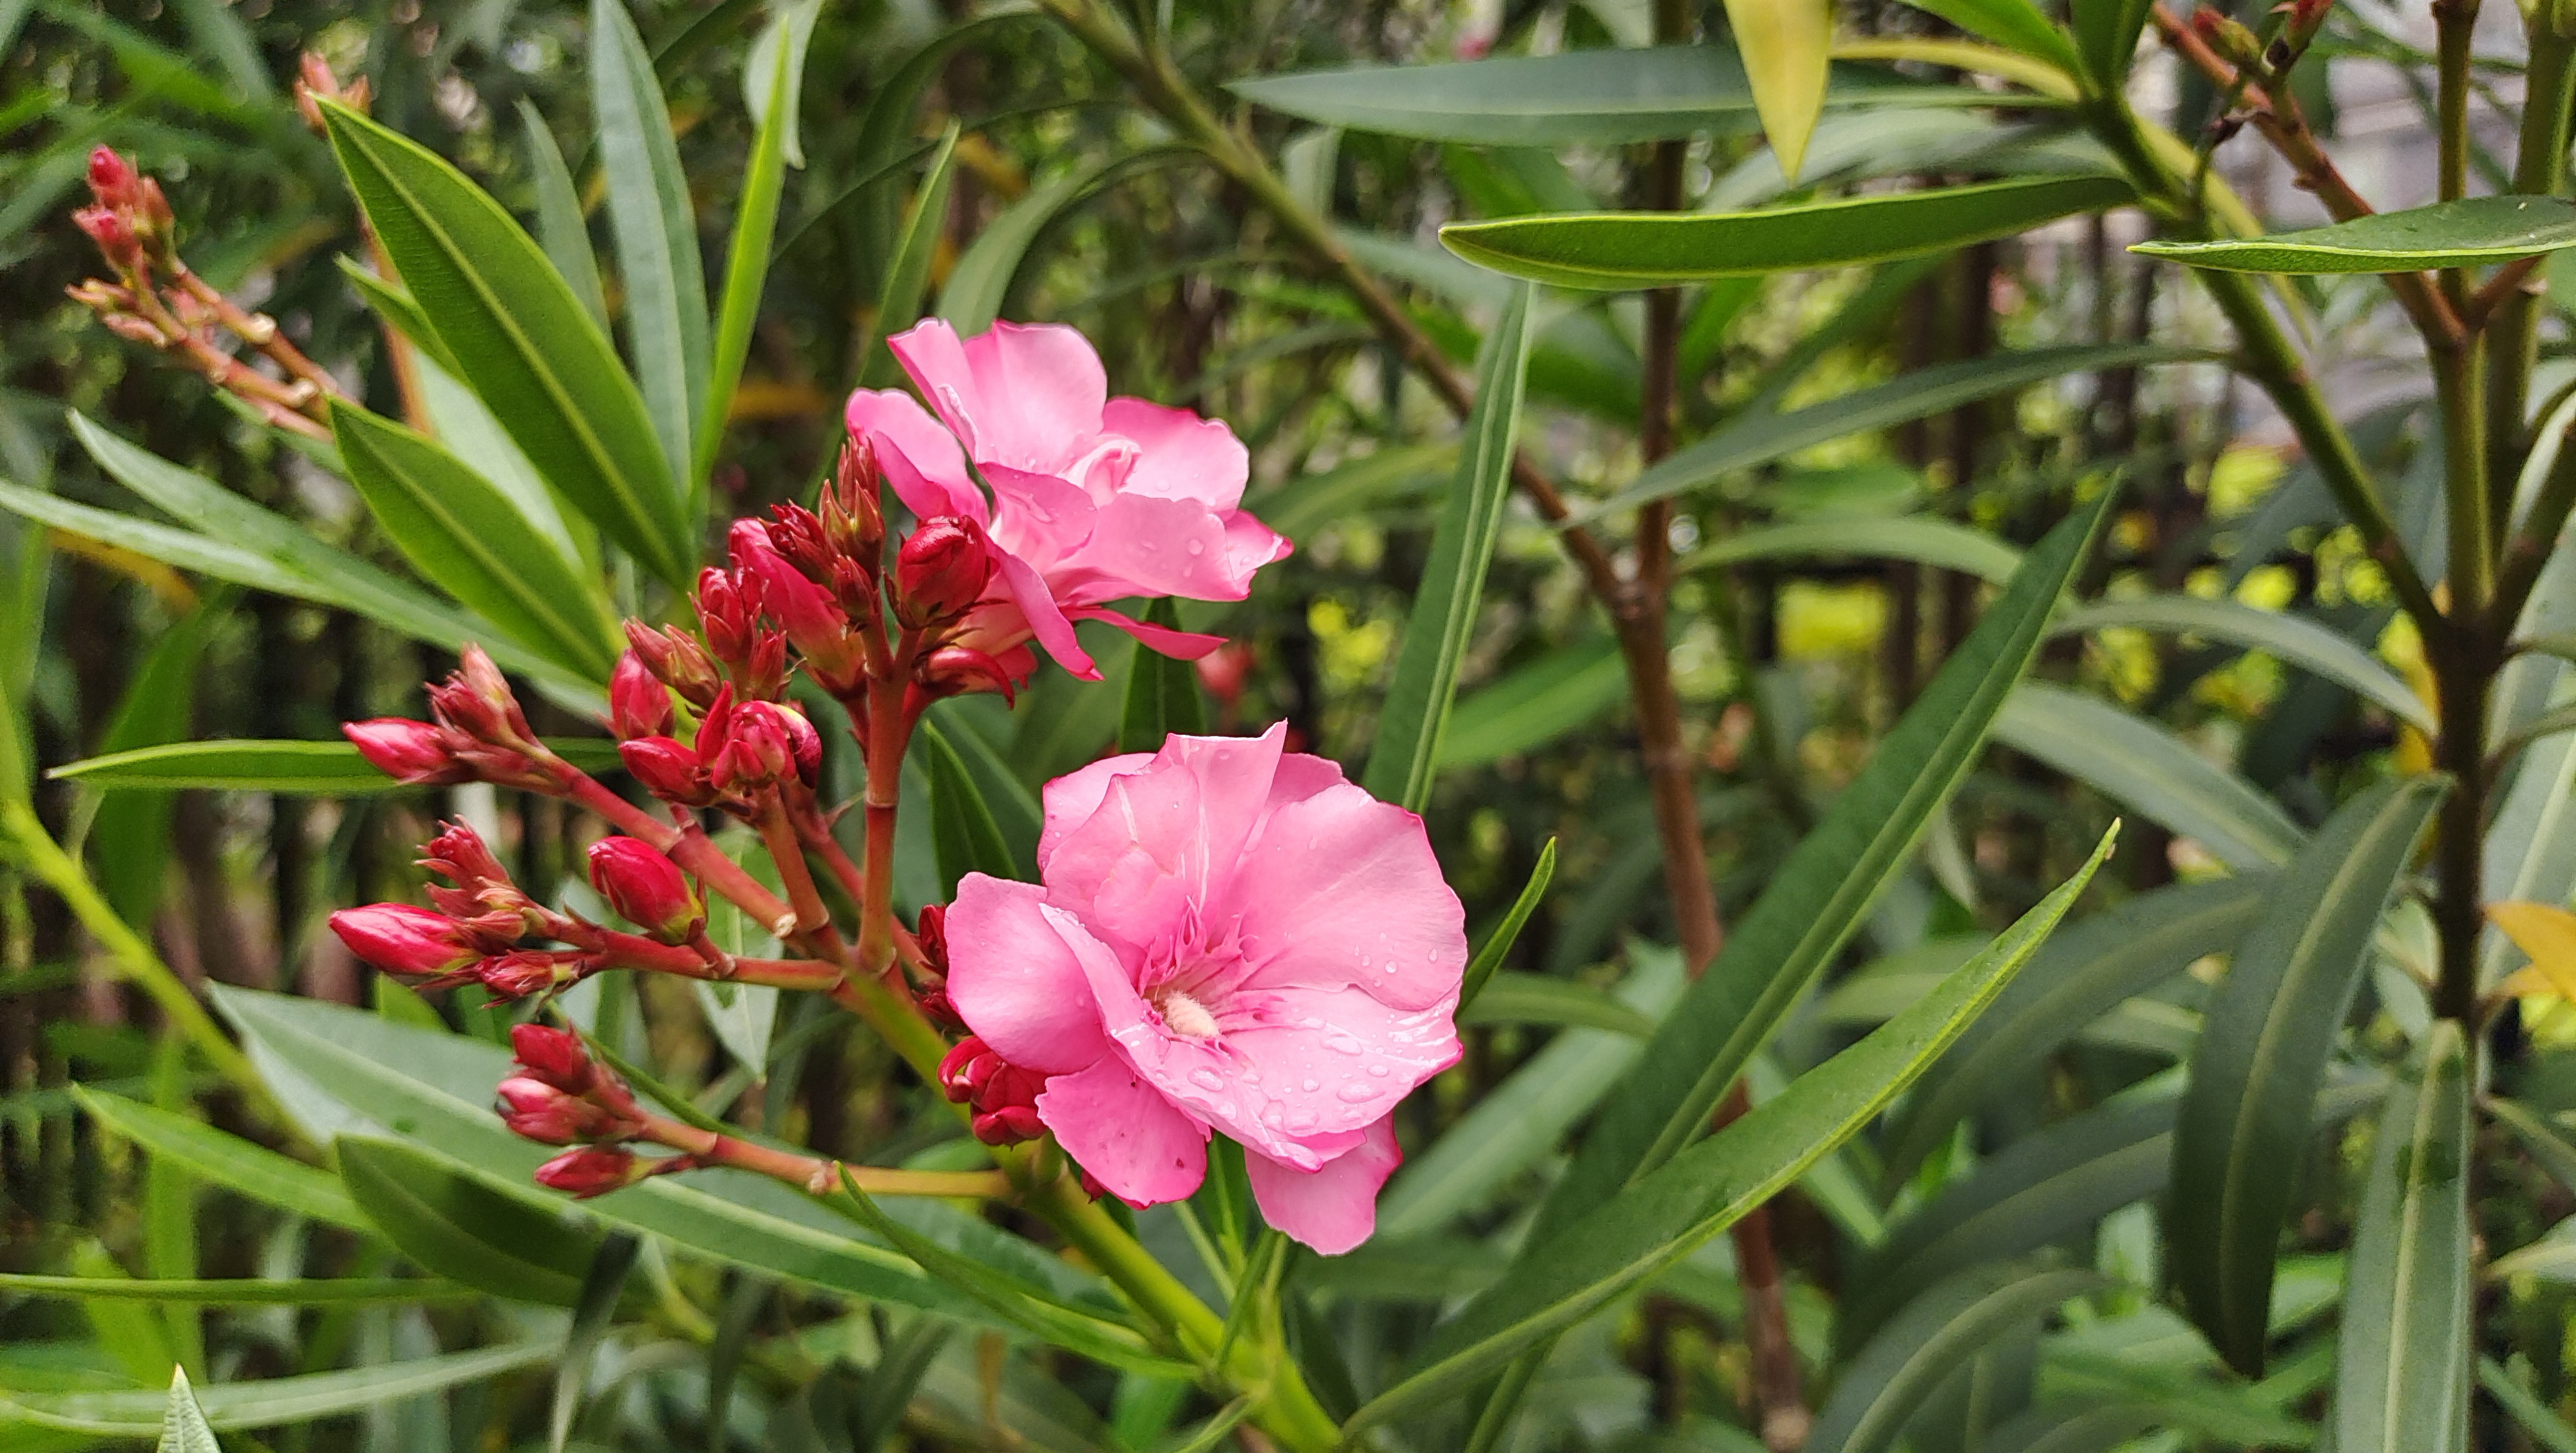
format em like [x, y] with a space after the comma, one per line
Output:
[980, 282]
[228, 1160]
[1520, 1122]
[1509, 998]
[907, 275]
[563, 229]
[1536, 704]
[1406, 754]
[1761, 438]
[2141, 764]
[1162, 693]
[453, 1224]
[656, 229]
[2106, 35]
[2402, 1363]
[2463, 233]
[468, 430]
[1624, 250]
[596, 1310]
[755, 227]
[2087, 970]
[1021, 1305]
[396, 305]
[1784, 44]
[2541, 1140]
[327, 769]
[1895, 1375]
[239, 1291]
[131, 831]
[2016, 25]
[183, 1423]
[2534, 1416]
[466, 537]
[1921, 539]
[523, 340]
[2268, 1029]
[1593, 1259]
[784, 40]
[2291, 640]
[1577, 98]
[1498, 944]
[1823, 891]
[962, 829]
[272, 1402]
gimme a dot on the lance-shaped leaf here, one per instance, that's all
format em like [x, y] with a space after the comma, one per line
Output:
[2262, 1054]
[1784, 45]
[1896, 1374]
[228, 1160]
[962, 831]
[1407, 753]
[1921, 539]
[2291, 640]
[1822, 893]
[525, 344]
[270, 1402]
[755, 227]
[325, 769]
[2469, 232]
[2139, 763]
[907, 275]
[1498, 944]
[2015, 25]
[563, 229]
[324, 1291]
[656, 229]
[1621, 250]
[2402, 1363]
[1536, 704]
[1162, 693]
[456, 1225]
[183, 1423]
[458, 530]
[1592, 1260]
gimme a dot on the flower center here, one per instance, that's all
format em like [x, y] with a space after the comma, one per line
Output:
[1185, 1016]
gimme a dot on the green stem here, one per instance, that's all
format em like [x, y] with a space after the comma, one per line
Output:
[2513, 333]
[2472, 545]
[2454, 22]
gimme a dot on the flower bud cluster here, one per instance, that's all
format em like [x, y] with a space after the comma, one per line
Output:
[472, 935]
[740, 753]
[558, 1095]
[1003, 1096]
[476, 733]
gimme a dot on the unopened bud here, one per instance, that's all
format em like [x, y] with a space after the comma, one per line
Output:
[403, 940]
[959, 670]
[2235, 44]
[523, 972]
[667, 769]
[556, 1056]
[676, 660]
[646, 888]
[852, 515]
[639, 705]
[766, 742]
[941, 570]
[593, 1170]
[113, 231]
[547, 1114]
[2306, 18]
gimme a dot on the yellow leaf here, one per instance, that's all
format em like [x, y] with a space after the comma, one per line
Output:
[2548, 935]
[1785, 45]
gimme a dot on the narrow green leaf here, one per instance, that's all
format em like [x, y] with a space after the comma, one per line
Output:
[228, 1160]
[170, 1208]
[466, 537]
[1407, 751]
[1536, 704]
[2142, 765]
[1764, 437]
[2535, 1417]
[468, 430]
[963, 832]
[183, 1423]
[2106, 35]
[782, 42]
[2465, 233]
[1921, 539]
[1784, 44]
[240, 1291]
[397, 306]
[2402, 1363]
[1593, 1259]
[593, 1314]
[2016, 25]
[328, 769]
[1498, 944]
[755, 227]
[1577, 98]
[925, 222]
[1822, 892]
[563, 229]
[130, 834]
[272, 1402]
[1624, 250]
[451, 1223]
[1162, 693]
[522, 339]
[2291, 640]
[1537, 999]
[1023, 1306]
[656, 228]
[2269, 1027]
[1895, 1375]
[980, 282]
[2087, 970]
[2543, 1141]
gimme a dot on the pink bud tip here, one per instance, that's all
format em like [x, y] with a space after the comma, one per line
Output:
[646, 888]
[941, 569]
[401, 939]
[407, 751]
[556, 1056]
[592, 1170]
[639, 705]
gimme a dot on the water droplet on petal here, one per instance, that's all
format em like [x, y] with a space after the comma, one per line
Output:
[1312, 1085]
[1197, 549]
[1206, 1080]
[1355, 1094]
[1377, 1071]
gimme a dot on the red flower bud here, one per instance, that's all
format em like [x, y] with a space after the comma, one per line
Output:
[959, 670]
[667, 769]
[931, 931]
[413, 752]
[112, 179]
[1008, 1125]
[541, 1112]
[646, 888]
[853, 520]
[941, 570]
[401, 939]
[677, 660]
[1003, 1095]
[765, 742]
[593, 1170]
[639, 705]
[796, 536]
[556, 1056]
[522, 972]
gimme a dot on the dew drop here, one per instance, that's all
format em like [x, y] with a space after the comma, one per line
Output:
[1377, 1071]
[1197, 548]
[1312, 1085]
[1206, 1080]
[1301, 1120]
[1355, 1094]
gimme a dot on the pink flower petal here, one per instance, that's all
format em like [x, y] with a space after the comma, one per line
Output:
[1127, 1136]
[1329, 1060]
[919, 458]
[1071, 799]
[1348, 892]
[1180, 455]
[1039, 518]
[1169, 836]
[1139, 545]
[1179, 645]
[1017, 982]
[1024, 396]
[1046, 619]
[1332, 1209]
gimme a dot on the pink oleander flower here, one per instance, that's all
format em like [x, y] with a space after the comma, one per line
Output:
[1228, 938]
[1094, 499]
